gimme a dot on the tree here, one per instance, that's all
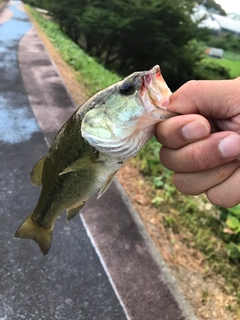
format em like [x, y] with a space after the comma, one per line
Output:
[133, 35]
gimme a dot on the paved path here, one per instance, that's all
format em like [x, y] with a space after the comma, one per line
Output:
[101, 266]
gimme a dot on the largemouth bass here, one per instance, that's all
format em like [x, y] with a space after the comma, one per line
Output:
[91, 147]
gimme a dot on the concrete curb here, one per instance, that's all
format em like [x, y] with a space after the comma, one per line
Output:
[170, 280]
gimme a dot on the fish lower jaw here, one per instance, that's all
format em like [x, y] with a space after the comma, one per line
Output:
[126, 148]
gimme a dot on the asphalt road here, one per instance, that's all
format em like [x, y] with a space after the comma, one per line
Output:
[102, 265]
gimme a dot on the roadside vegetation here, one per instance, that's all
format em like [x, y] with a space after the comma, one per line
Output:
[135, 35]
[94, 76]
[214, 231]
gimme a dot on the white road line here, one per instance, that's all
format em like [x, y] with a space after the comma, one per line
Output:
[104, 266]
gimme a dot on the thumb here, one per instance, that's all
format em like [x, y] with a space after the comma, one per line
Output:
[218, 99]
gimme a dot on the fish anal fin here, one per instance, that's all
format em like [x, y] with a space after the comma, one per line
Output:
[80, 164]
[36, 174]
[106, 185]
[72, 212]
[29, 229]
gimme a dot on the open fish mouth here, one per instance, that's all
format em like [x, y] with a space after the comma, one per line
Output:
[155, 94]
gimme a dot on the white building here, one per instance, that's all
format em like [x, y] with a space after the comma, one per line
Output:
[206, 21]
[229, 24]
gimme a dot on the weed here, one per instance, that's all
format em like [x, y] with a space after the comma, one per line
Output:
[205, 295]
[156, 201]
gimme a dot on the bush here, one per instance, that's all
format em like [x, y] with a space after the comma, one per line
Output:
[209, 70]
[228, 42]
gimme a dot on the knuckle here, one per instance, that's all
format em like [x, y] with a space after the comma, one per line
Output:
[160, 132]
[186, 184]
[164, 157]
[191, 85]
[220, 172]
[168, 134]
[179, 183]
[191, 90]
[198, 158]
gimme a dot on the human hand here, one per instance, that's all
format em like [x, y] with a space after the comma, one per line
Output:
[202, 146]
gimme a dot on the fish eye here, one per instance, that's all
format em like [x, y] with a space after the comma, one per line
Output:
[126, 89]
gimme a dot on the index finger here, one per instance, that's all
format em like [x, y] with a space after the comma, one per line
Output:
[179, 131]
[218, 99]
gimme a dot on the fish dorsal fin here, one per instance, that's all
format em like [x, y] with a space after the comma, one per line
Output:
[36, 174]
[72, 212]
[106, 185]
[80, 163]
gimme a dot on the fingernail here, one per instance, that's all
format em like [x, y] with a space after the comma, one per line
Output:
[195, 130]
[230, 146]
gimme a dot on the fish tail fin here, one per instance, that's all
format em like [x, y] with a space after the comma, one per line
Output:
[30, 229]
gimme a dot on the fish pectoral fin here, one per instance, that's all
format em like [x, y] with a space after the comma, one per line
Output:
[36, 174]
[72, 212]
[80, 163]
[29, 229]
[106, 185]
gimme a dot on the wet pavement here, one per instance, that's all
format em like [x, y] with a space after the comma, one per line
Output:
[102, 265]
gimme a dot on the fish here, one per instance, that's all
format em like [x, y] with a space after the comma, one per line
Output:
[92, 146]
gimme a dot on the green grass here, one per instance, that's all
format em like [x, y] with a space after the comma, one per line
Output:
[231, 55]
[232, 65]
[206, 226]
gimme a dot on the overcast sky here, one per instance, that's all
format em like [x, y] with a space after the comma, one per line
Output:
[230, 5]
